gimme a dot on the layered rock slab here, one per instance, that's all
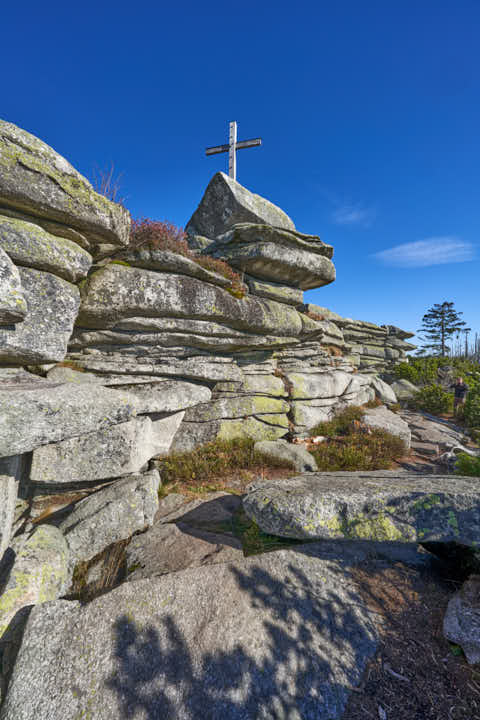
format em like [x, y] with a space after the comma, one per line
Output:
[13, 306]
[111, 514]
[42, 337]
[116, 293]
[38, 412]
[283, 635]
[108, 453]
[273, 254]
[226, 203]
[36, 179]
[378, 505]
[30, 245]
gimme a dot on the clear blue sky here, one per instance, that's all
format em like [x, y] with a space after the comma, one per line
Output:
[369, 114]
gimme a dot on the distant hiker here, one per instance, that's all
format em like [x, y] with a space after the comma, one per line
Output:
[461, 390]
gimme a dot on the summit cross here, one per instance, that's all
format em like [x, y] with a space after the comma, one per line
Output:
[232, 147]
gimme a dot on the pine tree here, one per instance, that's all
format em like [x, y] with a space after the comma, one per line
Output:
[439, 324]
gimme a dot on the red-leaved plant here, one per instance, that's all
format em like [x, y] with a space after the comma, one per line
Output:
[164, 235]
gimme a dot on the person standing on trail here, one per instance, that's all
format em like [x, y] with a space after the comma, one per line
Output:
[461, 390]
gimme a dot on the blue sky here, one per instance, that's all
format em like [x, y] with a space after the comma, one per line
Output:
[369, 114]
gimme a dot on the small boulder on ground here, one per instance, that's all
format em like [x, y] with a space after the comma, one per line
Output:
[461, 624]
[383, 419]
[404, 389]
[371, 505]
[294, 456]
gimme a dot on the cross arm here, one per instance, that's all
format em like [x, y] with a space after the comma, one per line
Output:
[238, 146]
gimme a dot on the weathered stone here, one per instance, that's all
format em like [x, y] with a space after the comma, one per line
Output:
[294, 456]
[167, 548]
[214, 513]
[116, 293]
[116, 339]
[35, 179]
[226, 203]
[331, 384]
[210, 369]
[461, 623]
[167, 396]
[43, 412]
[110, 515]
[192, 434]
[57, 229]
[277, 255]
[284, 635]
[167, 261]
[404, 389]
[8, 497]
[376, 505]
[39, 572]
[383, 419]
[30, 245]
[384, 392]
[42, 337]
[13, 307]
[274, 291]
[256, 385]
[236, 407]
[108, 453]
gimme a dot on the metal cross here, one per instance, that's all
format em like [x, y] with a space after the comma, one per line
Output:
[232, 147]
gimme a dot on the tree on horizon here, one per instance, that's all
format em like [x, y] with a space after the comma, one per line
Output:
[440, 323]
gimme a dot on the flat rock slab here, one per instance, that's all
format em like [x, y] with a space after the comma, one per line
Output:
[379, 505]
[226, 203]
[282, 636]
[111, 514]
[108, 453]
[167, 261]
[383, 419]
[169, 547]
[35, 412]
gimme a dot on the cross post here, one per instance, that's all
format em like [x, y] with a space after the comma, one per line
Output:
[232, 148]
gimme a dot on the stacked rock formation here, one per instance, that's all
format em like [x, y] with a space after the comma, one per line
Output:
[373, 349]
[112, 356]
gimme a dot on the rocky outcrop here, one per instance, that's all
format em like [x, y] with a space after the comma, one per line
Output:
[380, 505]
[294, 456]
[381, 418]
[36, 180]
[372, 349]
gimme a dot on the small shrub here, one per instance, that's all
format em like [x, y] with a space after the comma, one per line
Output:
[472, 409]
[212, 462]
[433, 399]
[467, 465]
[376, 450]
[315, 316]
[341, 424]
[406, 371]
[164, 235]
[159, 235]
[376, 402]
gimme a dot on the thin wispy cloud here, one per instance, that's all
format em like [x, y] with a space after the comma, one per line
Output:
[353, 214]
[431, 251]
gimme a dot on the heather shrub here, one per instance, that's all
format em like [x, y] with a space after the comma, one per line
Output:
[373, 450]
[472, 408]
[164, 235]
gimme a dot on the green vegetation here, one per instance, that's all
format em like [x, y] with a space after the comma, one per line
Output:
[467, 465]
[433, 399]
[350, 446]
[255, 541]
